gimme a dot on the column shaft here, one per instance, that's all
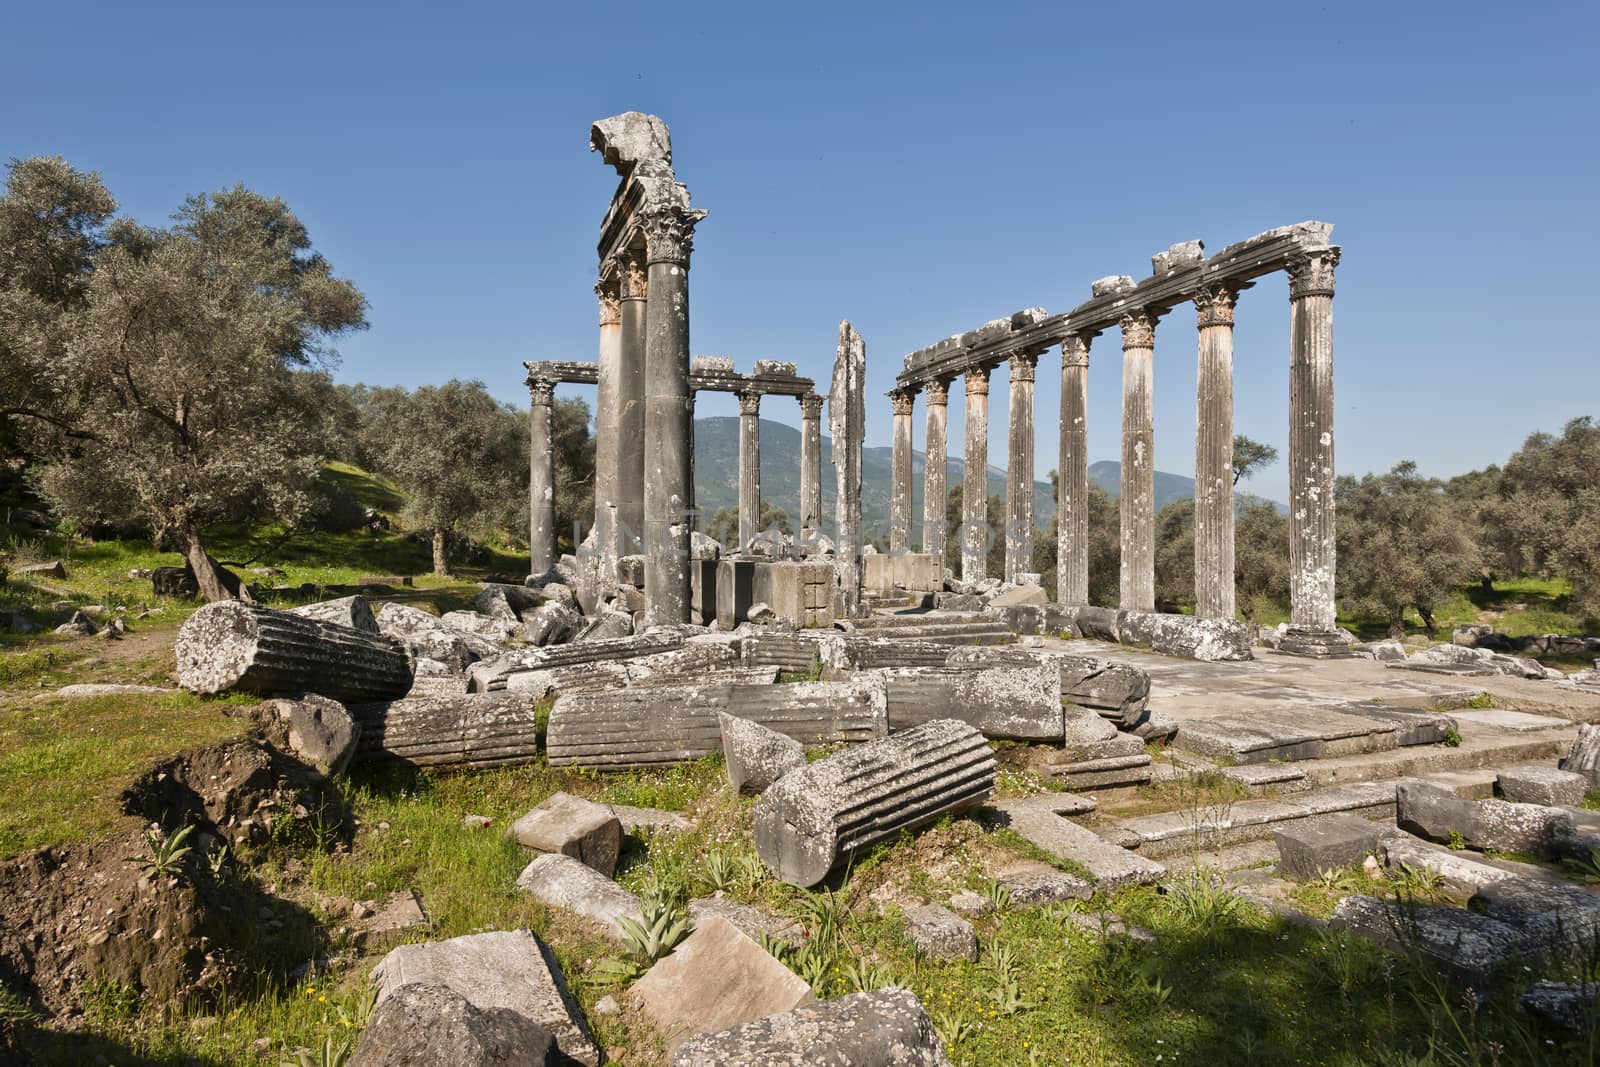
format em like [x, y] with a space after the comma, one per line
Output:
[541, 479]
[810, 468]
[1213, 455]
[608, 441]
[668, 410]
[934, 463]
[975, 478]
[749, 469]
[1311, 510]
[1019, 470]
[1137, 505]
[630, 404]
[1072, 485]
[900, 473]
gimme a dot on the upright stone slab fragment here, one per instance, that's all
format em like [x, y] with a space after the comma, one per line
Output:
[757, 756]
[847, 421]
[935, 461]
[352, 611]
[510, 969]
[231, 645]
[842, 803]
[975, 478]
[883, 1028]
[1019, 469]
[1136, 503]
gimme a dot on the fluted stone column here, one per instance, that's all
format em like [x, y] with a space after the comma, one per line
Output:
[975, 479]
[630, 397]
[1019, 469]
[1312, 615]
[810, 467]
[934, 462]
[1213, 455]
[1072, 485]
[904, 403]
[541, 478]
[749, 468]
[608, 440]
[668, 411]
[1137, 506]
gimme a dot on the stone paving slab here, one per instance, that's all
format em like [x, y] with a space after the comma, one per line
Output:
[1285, 734]
[1505, 719]
[1112, 866]
[1249, 820]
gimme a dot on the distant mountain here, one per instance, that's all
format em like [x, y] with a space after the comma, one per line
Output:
[716, 475]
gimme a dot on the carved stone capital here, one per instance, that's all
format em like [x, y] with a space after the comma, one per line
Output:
[978, 381]
[1022, 366]
[609, 292]
[1075, 351]
[541, 392]
[749, 403]
[904, 403]
[1311, 273]
[1214, 305]
[669, 233]
[811, 406]
[635, 276]
[1138, 329]
[938, 394]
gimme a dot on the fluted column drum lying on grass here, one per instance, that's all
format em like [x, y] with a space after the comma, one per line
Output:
[464, 730]
[236, 646]
[583, 652]
[812, 817]
[651, 725]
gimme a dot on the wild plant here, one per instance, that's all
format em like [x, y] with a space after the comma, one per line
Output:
[1203, 902]
[998, 896]
[330, 1053]
[823, 917]
[953, 1027]
[720, 872]
[861, 975]
[166, 850]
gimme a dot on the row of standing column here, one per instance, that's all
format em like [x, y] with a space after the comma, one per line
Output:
[1311, 461]
[750, 466]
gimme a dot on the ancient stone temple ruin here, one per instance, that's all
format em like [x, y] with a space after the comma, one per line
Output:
[1181, 275]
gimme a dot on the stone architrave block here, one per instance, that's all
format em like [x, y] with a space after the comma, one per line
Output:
[940, 934]
[1537, 783]
[882, 1028]
[511, 970]
[1307, 847]
[352, 611]
[565, 883]
[756, 756]
[817, 814]
[434, 1026]
[231, 645]
[717, 978]
[1434, 813]
[574, 827]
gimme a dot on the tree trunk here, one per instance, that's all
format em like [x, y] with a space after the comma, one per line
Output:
[441, 565]
[1397, 624]
[1427, 621]
[214, 582]
[1486, 583]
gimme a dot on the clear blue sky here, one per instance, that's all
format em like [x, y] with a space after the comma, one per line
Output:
[916, 169]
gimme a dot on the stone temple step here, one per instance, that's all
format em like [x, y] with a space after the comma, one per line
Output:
[1302, 732]
[1113, 866]
[1208, 827]
[973, 636]
[917, 619]
[1478, 749]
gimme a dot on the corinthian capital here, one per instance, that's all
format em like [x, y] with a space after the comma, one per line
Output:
[903, 402]
[811, 406]
[749, 403]
[1311, 273]
[1138, 329]
[609, 292]
[938, 394]
[1214, 305]
[978, 381]
[541, 392]
[669, 233]
[1075, 351]
[1022, 366]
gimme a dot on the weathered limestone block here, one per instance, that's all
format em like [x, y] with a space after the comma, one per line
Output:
[1399, 852]
[1207, 640]
[794, 653]
[1098, 624]
[506, 601]
[718, 977]
[1020, 703]
[1536, 783]
[433, 1026]
[563, 882]
[1434, 813]
[1473, 948]
[1567, 1004]
[1021, 596]
[797, 591]
[753, 921]
[842, 803]
[650, 725]
[1031, 882]
[575, 827]
[630, 571]
[574, 654]
[913, 572]
[351, 611]
[231, 645]
[756, 756]
[940, 933]
[1118, 690]
[512, 970]
[1309, 846]
[1584, 756]
[319, 732]
[607, 626]
[552, 623]
[1113, 866]
[883, 1028]
[1561, 920]
[489, 627]
[465, 729]
[860, 653]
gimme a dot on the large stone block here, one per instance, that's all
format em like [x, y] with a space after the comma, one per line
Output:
[1472, 948]
[432, 1026]
[1021, 703]
[703, 582]
[883, 1028]
[511, 970]
[735, 591]
[319, 732]
[756, 756]
[797, 591]
[913, 572]
[1439, 815]
[717, 978]
[1022, 596]
[940, 934]
[1536, 783]
[842, 803]
[575, 827]
[231, 645]
[1310, 846]
[563, 882]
